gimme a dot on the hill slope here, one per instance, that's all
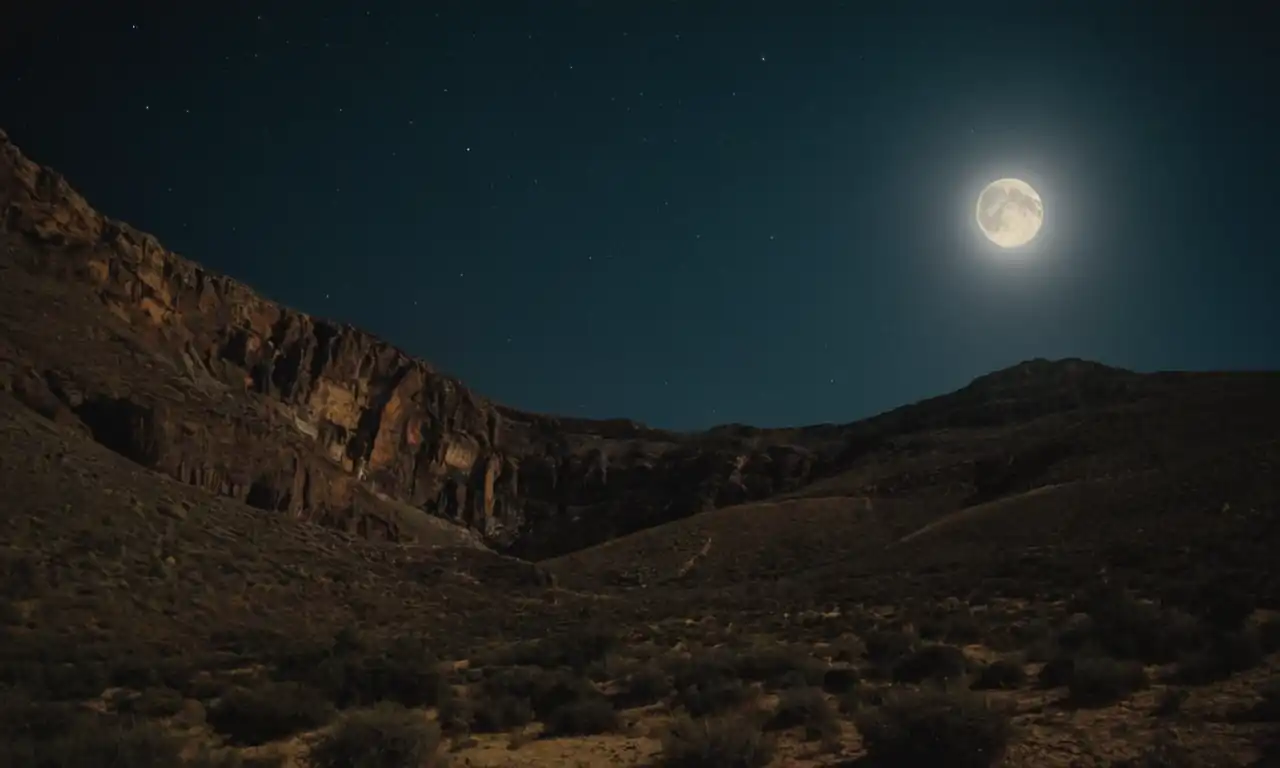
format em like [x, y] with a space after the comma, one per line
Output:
[168, 438]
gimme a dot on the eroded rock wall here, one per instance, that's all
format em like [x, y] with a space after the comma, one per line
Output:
[298, 414]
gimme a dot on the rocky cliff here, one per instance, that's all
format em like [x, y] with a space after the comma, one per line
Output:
[194, 374]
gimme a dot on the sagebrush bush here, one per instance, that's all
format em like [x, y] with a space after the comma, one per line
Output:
[779, 666]
[934, 728]
[386, 736]
[577, 649]
[1056, 672]
[884, 647]
[714, 696]
[1227, 653]
[805, 707]
[253, 716]
[154, 702]
[646, 685]
[735, 742]
[1099, 681]
[1001, 674]
[931, 662]
[838, 680]
[1124, 627]
[350, 672]
[499, 712]
[91, 741]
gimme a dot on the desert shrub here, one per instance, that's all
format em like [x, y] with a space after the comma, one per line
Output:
[577, 649]
[704, 667]
[853, 700]
[454, 713]
[713, 696]
[884, 647]
[514, 696]
[351, 674]
[646, 685]
[837, 680]
[546, 691]
[611, 667]
[499, 712]
[1001, 674]
[931, 662]
[933, 727]
[131, 671]
[779, 666]
[1226, 654]
[1123, 627]
[154, 702]
[1226, 606]
[96, 741]
[260, 715]
[805, 707]
[55, 677]
[1099, 681]
[24, 718]
[951, 627]
[387, 736]
[584, 717]
[1056, 672]
[716, 743]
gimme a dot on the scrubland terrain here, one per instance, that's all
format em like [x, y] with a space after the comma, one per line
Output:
[232, 534]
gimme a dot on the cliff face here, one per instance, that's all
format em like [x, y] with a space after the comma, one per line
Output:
[195, 375]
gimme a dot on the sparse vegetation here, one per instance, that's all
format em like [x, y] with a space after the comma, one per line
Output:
[123, 592]
[838, 680]
[931, 662]
[1001, 674]
[736, 742]
[94, 741]
[583, 717]
[252, 716]
[387, 736]
[647, 685]
[933, 727]
[1099, 681]
[807, 708]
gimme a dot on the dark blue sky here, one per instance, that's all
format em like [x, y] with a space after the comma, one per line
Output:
[691, 212]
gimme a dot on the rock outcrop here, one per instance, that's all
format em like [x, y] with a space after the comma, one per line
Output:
[225, 389]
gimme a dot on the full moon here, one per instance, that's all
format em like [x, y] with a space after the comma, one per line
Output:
[1010, 212]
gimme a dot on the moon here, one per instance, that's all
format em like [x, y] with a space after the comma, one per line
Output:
[1010, 212]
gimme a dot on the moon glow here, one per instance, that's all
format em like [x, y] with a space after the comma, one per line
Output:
[1010, 212]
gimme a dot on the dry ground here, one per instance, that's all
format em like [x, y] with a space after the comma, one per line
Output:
[133, 600]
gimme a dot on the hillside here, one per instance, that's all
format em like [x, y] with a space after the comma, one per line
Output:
[228, 528]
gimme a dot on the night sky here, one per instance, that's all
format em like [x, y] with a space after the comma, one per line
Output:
[691, 213]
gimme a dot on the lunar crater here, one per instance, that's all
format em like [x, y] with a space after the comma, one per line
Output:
[1010, 212]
